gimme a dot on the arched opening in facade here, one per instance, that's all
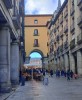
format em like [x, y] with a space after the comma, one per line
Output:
[35, 55]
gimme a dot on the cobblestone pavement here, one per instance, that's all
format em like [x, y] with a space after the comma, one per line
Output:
[57, 89]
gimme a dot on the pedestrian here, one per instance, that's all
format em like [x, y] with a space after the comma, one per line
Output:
[71, 74]
[22, 79]
[44, 72]
[51, 73]
[68, 74]
[58, 72]
[45, 80]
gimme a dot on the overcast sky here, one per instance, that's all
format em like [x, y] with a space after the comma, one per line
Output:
[41, 6]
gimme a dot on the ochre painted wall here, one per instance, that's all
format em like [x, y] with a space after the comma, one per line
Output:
[42, 31]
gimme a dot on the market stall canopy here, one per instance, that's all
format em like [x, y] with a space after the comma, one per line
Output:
[34, 65]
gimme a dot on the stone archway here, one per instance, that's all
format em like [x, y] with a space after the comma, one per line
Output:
[38, 51]
[35, 50]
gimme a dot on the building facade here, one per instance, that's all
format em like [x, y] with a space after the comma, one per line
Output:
[11, 42]
[65, 37]
[36, 35]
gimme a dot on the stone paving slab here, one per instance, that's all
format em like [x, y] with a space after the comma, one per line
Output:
[57, 89]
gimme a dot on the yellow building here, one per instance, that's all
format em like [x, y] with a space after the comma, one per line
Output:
[36, 34]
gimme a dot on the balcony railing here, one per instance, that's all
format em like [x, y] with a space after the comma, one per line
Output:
[58, 51]
[79, 21]
[55, 30]
[65, 13]
[57, 25]
[66, 28]
[8, 3]
[61, 20]
[66, 44]
[72, 11]
[72, 44]
[72, 28]
[79, 38]
[57, 38]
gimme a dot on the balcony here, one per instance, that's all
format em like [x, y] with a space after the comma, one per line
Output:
[57, 51]
[66, 44]
[57, 25]
[79, 4]
[72, 28]
[55, 30]
[57, 38]
[16, 18]
[65, 13]
[72, 44]
[79, 21]
[8, 3]
[61, 20]
[72, 11]
[79, 38]
[66, 28]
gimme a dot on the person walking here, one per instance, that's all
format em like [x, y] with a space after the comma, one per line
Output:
[51, 73]
[68, 74]
[22, 79]
[71, 74]
[45, 80]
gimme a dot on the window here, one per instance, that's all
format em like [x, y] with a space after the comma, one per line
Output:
[36, 43]
[36, 32]
[35, 21]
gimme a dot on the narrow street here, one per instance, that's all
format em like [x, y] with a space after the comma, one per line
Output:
[57, 89]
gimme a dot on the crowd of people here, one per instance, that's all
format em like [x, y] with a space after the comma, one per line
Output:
[43, 72]
[69, 74]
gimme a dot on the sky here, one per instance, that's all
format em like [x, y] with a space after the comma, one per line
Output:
[35, 55]
[41, 6]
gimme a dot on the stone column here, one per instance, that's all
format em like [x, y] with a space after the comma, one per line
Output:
[79, 62]
[5, 85]
[14, 63]
[72, 62]
[66, 61]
